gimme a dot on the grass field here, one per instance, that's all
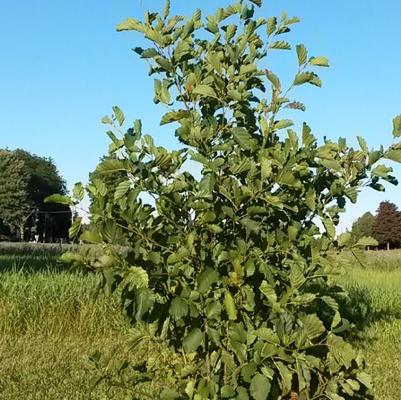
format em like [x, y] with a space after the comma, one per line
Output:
[51, 321]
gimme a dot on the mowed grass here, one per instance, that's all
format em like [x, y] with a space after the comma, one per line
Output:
[53, 320]
[376, 295]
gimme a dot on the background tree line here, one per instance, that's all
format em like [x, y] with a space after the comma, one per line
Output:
[25, 181]
[385, 226]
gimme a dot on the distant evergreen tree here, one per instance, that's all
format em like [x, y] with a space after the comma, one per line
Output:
[386, 228]
[362, 227]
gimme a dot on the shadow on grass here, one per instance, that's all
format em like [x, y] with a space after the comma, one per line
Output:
[362, 311]
[31, 263]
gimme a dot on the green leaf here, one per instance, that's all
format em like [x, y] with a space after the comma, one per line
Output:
[365, 379]
[205, 90]
[397, 126]
[166, 10]
[110, 165]
[312, 326]
[244, 139]
[393, 154]
[367, 241]
[75, 228]
[59, 199]
[330, 228]
[282, 124]
[269, 292]
[122, 190]
[307, 77]
[173, 116]
[257, 2]
[280, 45]
[193, 340]
[302, 54]
[119, 115]
[178, 308]
[275, 81]
[144, 300]
[107, 120]
[131, 24]
[319, 61]
[230, 307]
[91, 237]
[271, 25]
[206, 279]
[137, 278]
[260, 387]
[344, 239]
[78, 192]
[286, 377]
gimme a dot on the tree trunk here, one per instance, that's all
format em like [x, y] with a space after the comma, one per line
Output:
[22, 232]
[388, 245]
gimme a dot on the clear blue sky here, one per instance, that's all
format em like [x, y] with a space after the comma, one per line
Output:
[63, 67]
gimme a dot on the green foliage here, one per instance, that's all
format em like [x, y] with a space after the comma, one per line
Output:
[26, 180]
[231, 269]
[362, 227]
[14, 195]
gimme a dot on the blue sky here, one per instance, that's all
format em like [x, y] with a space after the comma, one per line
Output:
[63, 67]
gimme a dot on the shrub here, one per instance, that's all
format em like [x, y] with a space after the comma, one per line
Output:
[231, 268]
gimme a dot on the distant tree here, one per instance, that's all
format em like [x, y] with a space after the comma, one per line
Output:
[386, 228]
[26, 180]
[362, 227]
[15, 204]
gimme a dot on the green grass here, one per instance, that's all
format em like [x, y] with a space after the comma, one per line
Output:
[377, 299]
[52, 321]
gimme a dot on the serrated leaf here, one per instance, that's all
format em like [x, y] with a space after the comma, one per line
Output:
[302, 54]
[365, 379]
[393, 154]
[260, 387]
[75, 228]
[296, 105]
[244, 139]
[137, 278]
[91, 237]
[312, 326]
[230, 307]
[280, 45]
[119, 115]
[206, 279]
[330, 228]
[122, 190]
[275, 81]
[166, 10]
[107, 120]
[319, 61]
[257, 2]
[397, 126]
[366, 241]
[193, 340]
[59, 199]
[173, 116]
[78, 191]
[271, 25]
[286, 378]
[131, 24]
[283, 124]
[178, 308]
[205, 90]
